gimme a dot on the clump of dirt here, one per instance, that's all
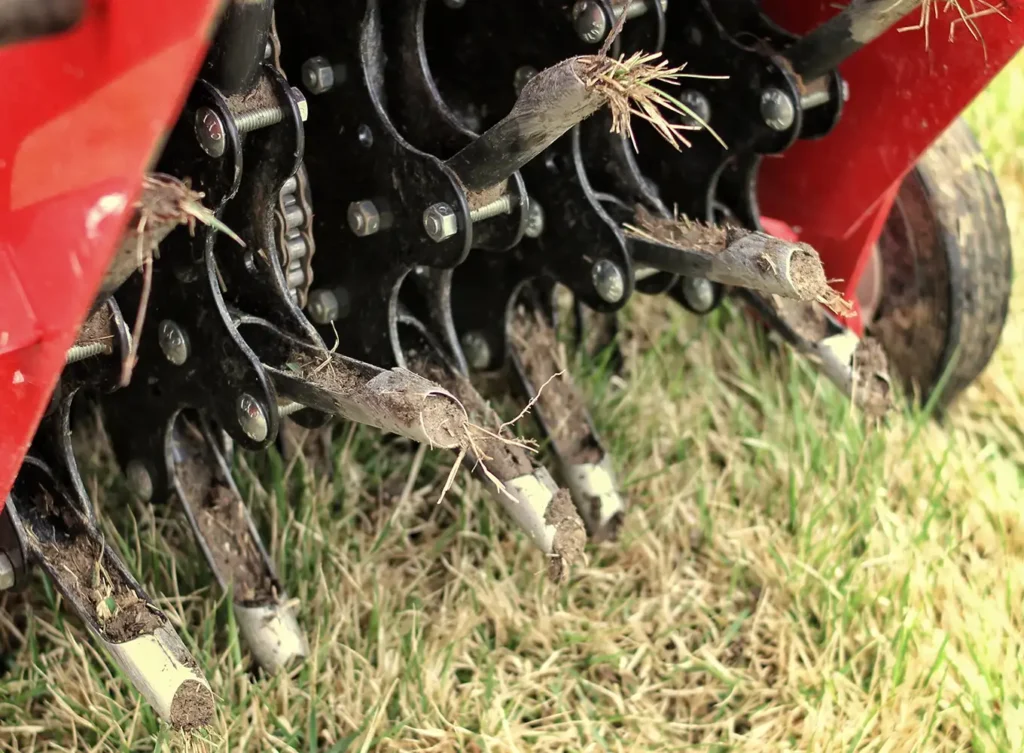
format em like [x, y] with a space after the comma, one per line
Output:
[97, 328]
[477, 199]
[560, 403]
[258, 98]
[87, 573]
[192, 706]
[872, 389]
[502, 458]
[570, 536]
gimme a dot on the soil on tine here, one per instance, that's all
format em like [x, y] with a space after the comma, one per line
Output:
[872, 390]
[86, 572]
[223, 524]
[401, 396]
[225, 527]
[560, 403]
[570, 536]
[192, 706]
[506, 461]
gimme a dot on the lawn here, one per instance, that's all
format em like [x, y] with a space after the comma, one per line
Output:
[786, 579]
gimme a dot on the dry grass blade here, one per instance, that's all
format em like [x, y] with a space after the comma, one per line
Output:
[628, 84]
[165, 203]
[930, 9]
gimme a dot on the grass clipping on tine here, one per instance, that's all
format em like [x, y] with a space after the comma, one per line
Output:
[628, 87]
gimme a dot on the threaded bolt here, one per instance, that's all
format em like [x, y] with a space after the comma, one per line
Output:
[501, 205]
[261, 117]
[80, 352]
[287, 409]
[210, 127]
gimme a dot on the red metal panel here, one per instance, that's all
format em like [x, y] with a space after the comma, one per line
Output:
[83, 115]
[836, 192]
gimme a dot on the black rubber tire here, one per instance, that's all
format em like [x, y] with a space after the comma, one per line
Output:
[946, 268]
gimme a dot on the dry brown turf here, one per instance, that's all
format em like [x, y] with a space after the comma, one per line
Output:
[784, 581]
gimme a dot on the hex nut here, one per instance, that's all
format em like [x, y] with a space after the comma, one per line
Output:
[440, 222]
[363, 218]
[323, 306]
[317, 75]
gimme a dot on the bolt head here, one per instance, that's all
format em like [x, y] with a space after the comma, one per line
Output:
[700, 106]
[440, 222]
[589, 22]
[698, 293]
[363, 218]
[522, 77]
[210, 132]
[608, 281]
[139, 480]
[365, 136]
[455, 4]
[534, 220]
[323, 306]
[477, 350]
[173, 342]
[777, 109]
[317, 75]
[300, 103]
[252, 418]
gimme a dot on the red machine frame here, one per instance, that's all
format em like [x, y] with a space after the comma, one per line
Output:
[86, 112]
